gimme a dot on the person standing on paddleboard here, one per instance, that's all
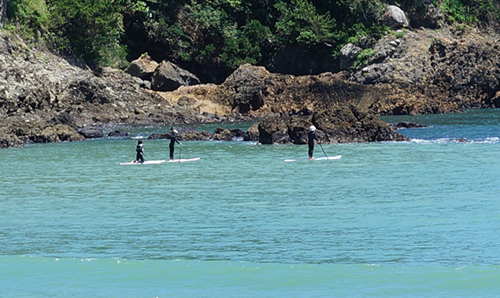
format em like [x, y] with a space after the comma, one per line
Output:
[140, 152]
[173, 140]
[311, 136]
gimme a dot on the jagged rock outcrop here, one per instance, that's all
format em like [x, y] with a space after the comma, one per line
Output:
[164, 76]
[168, 77]
[255, 91]
[434, 72]
[143, 67]
[340, 124]
[38, 85]
[349, 124]
[220, 134]
[91, 132]
[348, 55]
[15, 132]
[273, 130]
[469, 72]
[407, 124]
[426, 14]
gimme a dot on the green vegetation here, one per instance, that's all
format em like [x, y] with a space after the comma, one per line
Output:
[214, 34]
[88, 29]
[300, 23]
[363, 57]
[482, 12]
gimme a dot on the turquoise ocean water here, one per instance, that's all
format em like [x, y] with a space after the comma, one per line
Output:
[411, 219]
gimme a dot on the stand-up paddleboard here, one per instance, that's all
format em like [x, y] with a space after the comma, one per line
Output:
[317, 158]
[147, 162]
[184, 159]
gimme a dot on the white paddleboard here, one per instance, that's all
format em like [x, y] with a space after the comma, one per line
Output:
[185, 159]
[147, 162]
[317, 158]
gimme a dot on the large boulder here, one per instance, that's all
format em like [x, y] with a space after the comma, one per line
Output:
[8, 140]
[224, 134]
[339, 124]
[143, 67]
[395, 17]
[273, 130]
[348, 55]
[58, 133]
[91, 132]
[21, 130]
[348, 124]
[168, 77]
[297, 129]
[246, 88]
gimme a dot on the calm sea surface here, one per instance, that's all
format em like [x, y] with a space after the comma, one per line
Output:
[411, 219]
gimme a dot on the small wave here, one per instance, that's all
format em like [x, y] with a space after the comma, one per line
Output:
[437, 141]
[489, 140]
[139, 137]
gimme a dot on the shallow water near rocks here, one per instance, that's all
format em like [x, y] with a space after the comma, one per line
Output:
[413, 219]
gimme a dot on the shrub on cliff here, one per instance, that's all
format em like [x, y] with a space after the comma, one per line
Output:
[482, 12]
[91, 30]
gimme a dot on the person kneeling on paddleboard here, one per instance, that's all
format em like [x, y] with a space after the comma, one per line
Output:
[173, 140]
[140, 152]
[311, 136]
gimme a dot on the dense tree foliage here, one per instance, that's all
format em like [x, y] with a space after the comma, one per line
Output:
[215, 34]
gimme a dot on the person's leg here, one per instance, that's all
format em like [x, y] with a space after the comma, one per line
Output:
[311, 150]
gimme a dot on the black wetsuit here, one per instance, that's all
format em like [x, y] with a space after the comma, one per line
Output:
[140, 153]
[173, 140]
[311, 136]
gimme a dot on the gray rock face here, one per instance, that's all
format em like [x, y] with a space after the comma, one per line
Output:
[3, 12]
[395, 17]
[273, 130]
[142, 67]
[169, 77]
[340, 124]
[349, 124]
[348, 55]
[375, 73]
[426, 13]
[51, 96]
[247, 87]
[91, 132]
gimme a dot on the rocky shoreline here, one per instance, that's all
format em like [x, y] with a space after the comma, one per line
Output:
[47, 98]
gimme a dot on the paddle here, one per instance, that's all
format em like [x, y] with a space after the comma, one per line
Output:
[180, 149]
[322, 149]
